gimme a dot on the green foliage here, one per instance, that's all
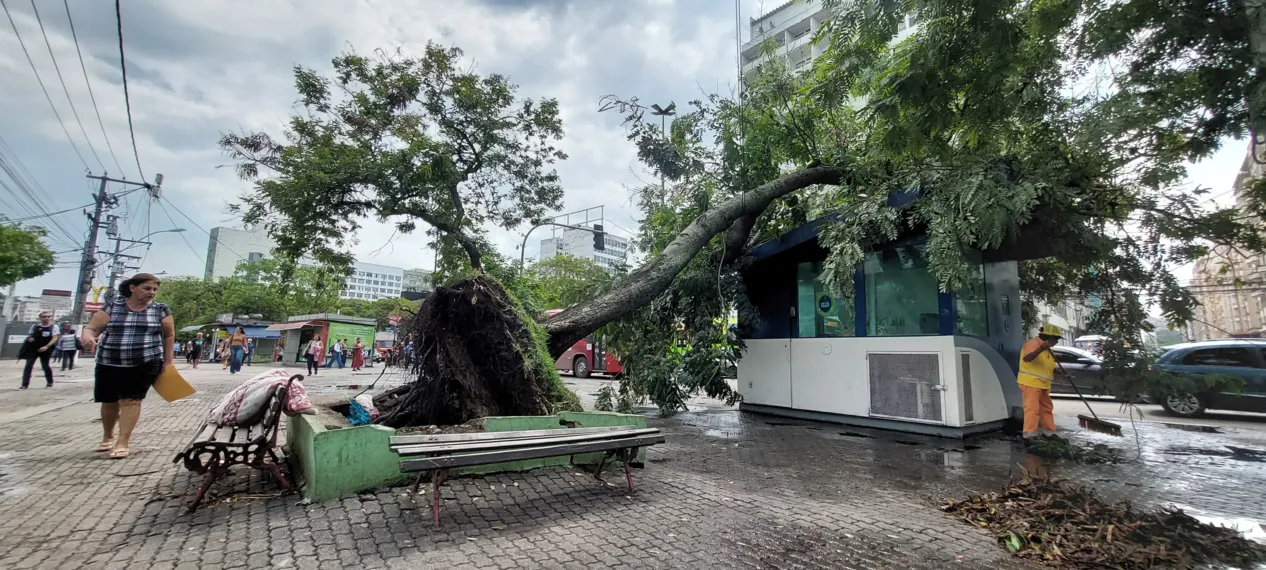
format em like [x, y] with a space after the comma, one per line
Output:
[606, 399]
[261, 287]
[23, 254]
[564, 280]
[381, 310]
[410, 140]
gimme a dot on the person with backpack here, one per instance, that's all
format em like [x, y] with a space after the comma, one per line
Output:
[39, 344]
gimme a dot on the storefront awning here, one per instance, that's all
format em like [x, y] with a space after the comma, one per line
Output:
[260, 332]
[287, 326]
[193, 328]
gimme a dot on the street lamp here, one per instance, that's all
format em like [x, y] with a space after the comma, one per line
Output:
[663, 114]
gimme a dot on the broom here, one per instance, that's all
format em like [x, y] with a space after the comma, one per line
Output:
[1091, 422]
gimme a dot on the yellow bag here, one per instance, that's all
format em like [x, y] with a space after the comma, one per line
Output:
[172, 386]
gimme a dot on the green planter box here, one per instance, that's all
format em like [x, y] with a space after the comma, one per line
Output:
[333, 459]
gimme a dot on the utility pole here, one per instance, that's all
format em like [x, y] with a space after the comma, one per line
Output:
[88, 262]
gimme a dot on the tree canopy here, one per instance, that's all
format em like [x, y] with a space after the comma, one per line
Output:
[406, 140]
[23, 254]
[262, 287]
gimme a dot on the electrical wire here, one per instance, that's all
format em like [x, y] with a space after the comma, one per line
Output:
[127, 98]
[32, 199]
[91, 95]
[199, 226]
[62, 80]
[49, 214]
[42, 87]
[181, 234]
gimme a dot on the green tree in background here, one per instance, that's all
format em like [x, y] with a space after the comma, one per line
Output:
[564, 280]
[381, 310]
[261, 287]
[23, 254]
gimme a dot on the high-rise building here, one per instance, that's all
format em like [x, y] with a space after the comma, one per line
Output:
[229, 247]
[371, 282]
[580, 243]
[791, 27]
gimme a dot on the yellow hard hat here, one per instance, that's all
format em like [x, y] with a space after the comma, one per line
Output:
[1052, 330]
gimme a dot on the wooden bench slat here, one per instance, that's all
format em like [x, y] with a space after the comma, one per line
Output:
[401, 440]
[439, 448]
[485, 458]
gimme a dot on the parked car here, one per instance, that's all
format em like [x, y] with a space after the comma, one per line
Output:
[1084, 368]
[1245, 358]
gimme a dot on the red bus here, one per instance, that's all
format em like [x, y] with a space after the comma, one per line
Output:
[587, 356]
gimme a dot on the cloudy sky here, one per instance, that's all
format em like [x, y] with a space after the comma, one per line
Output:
[197, 69]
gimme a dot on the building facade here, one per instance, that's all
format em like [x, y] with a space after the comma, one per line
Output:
[791, 27]
[579, 243]
[417, 281]
[1229, 283]
[370, 281]
[229, 247]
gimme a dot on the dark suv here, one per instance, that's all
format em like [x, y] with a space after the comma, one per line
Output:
[1245, 358]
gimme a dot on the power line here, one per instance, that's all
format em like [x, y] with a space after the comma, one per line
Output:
[49, 214]
[181, 234]
[204, 230]
[69, 101]
[91, 95]
[42, 87]
[127, 99]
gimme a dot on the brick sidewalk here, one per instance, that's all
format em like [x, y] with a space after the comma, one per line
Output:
[728, 490]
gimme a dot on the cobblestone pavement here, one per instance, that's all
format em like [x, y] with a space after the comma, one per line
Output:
[728, 490]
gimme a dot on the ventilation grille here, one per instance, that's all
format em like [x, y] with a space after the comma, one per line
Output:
[906, 385]
[969, 414]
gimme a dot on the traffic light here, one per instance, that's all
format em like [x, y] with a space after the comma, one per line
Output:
[599, 238]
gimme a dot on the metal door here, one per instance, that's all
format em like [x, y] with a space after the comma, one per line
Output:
[906, 386]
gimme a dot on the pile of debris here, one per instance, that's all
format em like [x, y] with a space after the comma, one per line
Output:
[1056, 523]
[1055, 447]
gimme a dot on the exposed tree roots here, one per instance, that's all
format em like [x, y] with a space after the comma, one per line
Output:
[476, 357]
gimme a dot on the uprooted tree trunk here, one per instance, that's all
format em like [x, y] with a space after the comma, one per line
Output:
[737, 214]
[479, 356]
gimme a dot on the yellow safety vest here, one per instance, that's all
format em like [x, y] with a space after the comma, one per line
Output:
[1040, 372]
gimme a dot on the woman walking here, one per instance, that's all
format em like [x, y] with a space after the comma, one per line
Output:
[137, 344]
[69, 344]
[358, 355]
[195, 350]
[237, 350]
[313, 354]
[40, 341]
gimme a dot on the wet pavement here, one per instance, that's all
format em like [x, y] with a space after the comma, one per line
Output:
[728, 489]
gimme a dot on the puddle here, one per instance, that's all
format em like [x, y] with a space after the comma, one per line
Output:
[964, 449]
[1251, 529]
[904, 442]
[723, 434]
[1193, 427]
[855, 434]
[778, 424]
[1228, 452]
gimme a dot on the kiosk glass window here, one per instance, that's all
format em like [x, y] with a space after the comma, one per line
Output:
[901, 294]
[819, 312]
[972, 315]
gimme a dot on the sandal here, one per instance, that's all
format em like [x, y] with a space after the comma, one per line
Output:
[105, 446]
[119, 453]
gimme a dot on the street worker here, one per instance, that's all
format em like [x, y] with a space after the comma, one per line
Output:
[1037, 371]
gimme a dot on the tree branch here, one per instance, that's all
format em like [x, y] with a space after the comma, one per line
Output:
[648, 281]
[468, 244]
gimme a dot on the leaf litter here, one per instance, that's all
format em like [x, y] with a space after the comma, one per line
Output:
[1059, 524]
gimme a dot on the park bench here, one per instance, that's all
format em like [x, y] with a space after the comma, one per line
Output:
[214, 449]
[431, 456]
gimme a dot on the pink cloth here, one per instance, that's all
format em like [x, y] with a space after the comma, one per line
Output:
[247, 404]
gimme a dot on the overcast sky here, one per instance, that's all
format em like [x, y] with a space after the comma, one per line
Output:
[197, 69]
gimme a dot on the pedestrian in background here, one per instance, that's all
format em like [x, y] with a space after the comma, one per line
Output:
[196, 346]
[237, 350]
[136, 336]
[250, 350]
[358, 355]
[40, 341]
[69, 344]
[313, 354]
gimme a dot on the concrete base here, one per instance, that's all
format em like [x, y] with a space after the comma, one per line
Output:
[877, 423]
[333, 459]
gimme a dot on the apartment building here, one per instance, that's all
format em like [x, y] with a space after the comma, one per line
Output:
[791, 27]
[579, 243]
[229, 247]
[370, 281]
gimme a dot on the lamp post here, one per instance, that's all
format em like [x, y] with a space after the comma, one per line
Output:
[663, 114]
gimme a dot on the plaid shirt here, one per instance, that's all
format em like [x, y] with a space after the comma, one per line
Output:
[132, 338]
